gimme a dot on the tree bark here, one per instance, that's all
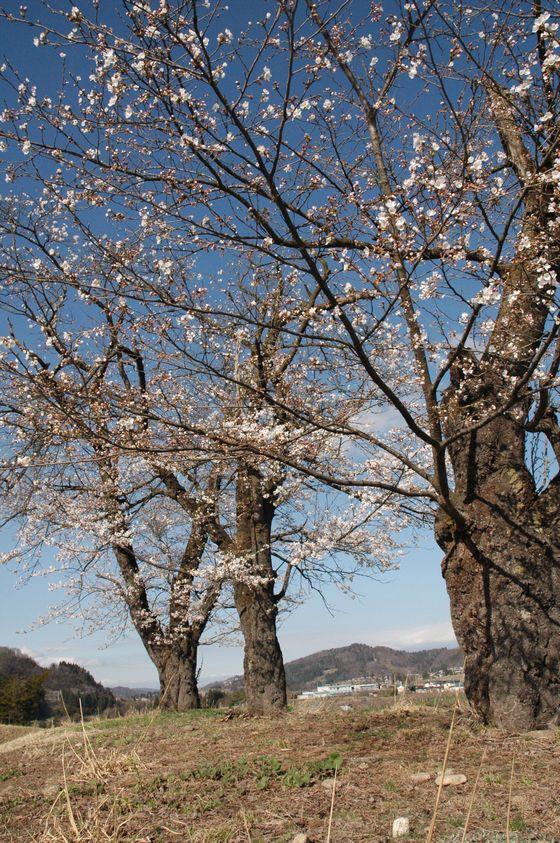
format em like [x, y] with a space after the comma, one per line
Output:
[502, 565]
[178, 679]
[263, 664]
[256, 604]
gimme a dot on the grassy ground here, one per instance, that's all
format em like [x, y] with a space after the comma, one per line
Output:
[209, 777]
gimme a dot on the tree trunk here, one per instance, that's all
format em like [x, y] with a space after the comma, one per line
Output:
[263, 665]
[265, 680]
[178, 679]
[502, 566]
[504, 590]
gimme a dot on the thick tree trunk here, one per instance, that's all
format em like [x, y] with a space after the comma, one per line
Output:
[502, 566]
[504, 590]
[178, 679]
[265, 680]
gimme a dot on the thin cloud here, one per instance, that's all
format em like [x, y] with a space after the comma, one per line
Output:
[439, 633]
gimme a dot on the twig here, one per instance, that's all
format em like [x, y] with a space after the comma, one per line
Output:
[442, 776]
[471, 803]
[245, 823]
[68, 802]
[332, 806]
[509, 796]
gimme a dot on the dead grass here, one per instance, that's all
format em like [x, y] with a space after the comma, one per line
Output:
[206, 778]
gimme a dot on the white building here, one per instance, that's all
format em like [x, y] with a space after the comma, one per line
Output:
[339, 690]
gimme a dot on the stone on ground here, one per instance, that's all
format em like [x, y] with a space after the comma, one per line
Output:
[401, 827]
[451, 779]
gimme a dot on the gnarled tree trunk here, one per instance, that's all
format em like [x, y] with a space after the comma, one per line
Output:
[263, 665]
[503, 562]
[502, 568]
[177, 679]
[265, 680]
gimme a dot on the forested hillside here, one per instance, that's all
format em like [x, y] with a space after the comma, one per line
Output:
[31, 692]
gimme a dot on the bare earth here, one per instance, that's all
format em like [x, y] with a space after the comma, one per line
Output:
[210, 777]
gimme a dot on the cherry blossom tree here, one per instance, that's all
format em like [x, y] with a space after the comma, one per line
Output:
[121, 542]
[132, 421]
[400, 164]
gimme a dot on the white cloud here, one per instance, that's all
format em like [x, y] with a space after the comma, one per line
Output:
[439, 633]
[377, 421]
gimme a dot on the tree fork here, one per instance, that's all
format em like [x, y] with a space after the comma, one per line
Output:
[178, 679]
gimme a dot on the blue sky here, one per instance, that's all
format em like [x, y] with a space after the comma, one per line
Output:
[406, 609]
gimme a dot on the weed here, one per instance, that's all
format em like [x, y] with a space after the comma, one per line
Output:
[297, 778]
[268, 768]
[264, 769]
[10, 774]
[455, 822]
[493, 778]
[518, 824]
[227, 771]
[328, 765]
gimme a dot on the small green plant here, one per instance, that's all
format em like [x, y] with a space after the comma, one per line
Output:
[268, 768]
[315, 771]
[227, 771]
[518, 824]
[297, 778]
[9, 774]
[328, 765]
[493, 778]
[456, 822]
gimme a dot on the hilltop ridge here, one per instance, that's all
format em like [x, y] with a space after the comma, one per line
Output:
[358, 660]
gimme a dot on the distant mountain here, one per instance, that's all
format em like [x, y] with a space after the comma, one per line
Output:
[56, 690]
[356, 661]
[72, 683]
[123, 692]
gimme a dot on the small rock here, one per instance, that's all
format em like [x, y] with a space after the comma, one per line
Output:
[51, 791]
[301, 838]
[420, 778]
[345, 708]
[401, 827]
[451, 778]
[328, 784]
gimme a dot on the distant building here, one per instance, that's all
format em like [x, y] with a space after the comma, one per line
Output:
[339, 689]
[442, 685]
[437, 682]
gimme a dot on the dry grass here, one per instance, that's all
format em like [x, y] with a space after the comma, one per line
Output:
[205, 778]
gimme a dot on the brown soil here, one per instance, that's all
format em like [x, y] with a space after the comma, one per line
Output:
[210, 777]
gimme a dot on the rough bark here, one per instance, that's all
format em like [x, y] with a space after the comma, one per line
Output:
[256, 604]
[178, 679]
[263, 665]
[502, 567]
